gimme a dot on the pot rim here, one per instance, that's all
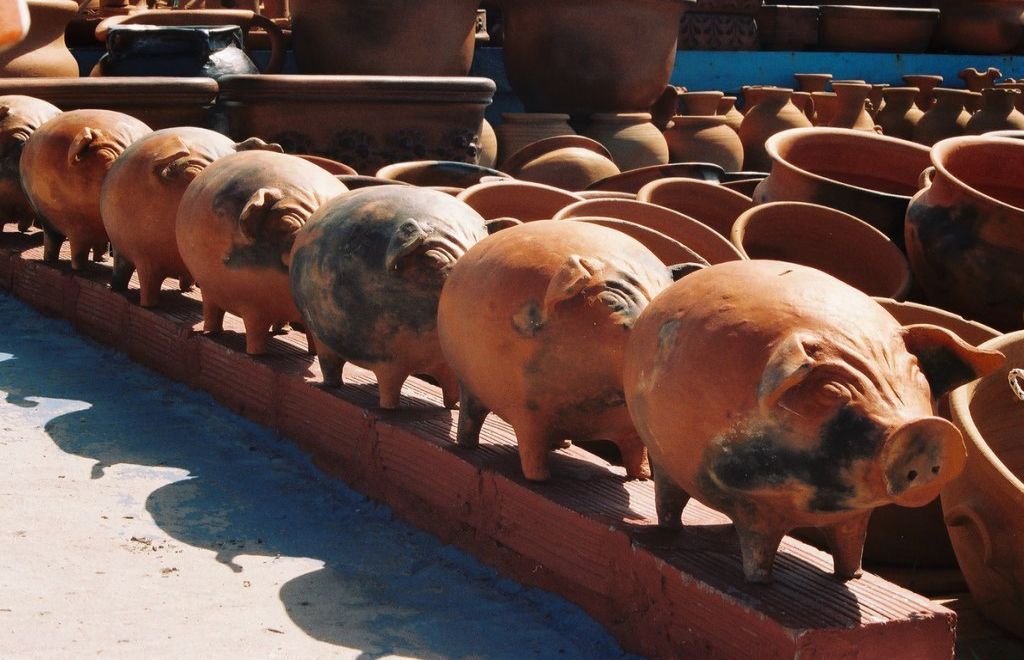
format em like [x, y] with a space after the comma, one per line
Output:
[883, 300]
[942, 147]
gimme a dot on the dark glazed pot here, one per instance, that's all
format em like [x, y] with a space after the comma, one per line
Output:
[20, 116]
[367, 271]
[189, 51]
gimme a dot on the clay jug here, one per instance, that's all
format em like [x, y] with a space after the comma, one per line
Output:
[43, 52]
[997, 112]
[977, 81]
[805, 104]
[900, 114]
[727, 108]
[946, 118]
[876, 98]
[826, 104]
[925, 83]
[518, 129]
[630, 137]
[704, 139]
[812, 82]
[774, 113]
[699, 103]
[852, 107]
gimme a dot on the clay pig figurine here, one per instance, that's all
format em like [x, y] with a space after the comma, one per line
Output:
[785, 398]
[63, 166]
[139, 202]
[235, 227]
[367, 271]
[534, 321]
[20, 116]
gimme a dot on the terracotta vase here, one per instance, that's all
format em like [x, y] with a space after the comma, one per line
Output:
[488, 145]
[43, 52]
[665, 248]
[570, 162]
[714, 205]
[831, 241]
[384, 37]
[521, 200]
[631, 138]
[977, 81]
[982, 26]
[704, 139]
[851, 111]
[787, 385]
[963, 232]
[984, 506]
[826, 105]
[235, 227]
[63, 166]
[543, 294]
[900, 114]
[20, 116]
[727, 108]
[997, 113]
[518, 129]
[377, 259]
[699, 103]
[946, 118]
[876, 99]
[774, 113]
[812, 82]
[925, 83]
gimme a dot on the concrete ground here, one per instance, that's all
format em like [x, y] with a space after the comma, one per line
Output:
[138, 517]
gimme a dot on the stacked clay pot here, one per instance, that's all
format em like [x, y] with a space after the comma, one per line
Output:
[63, 166]
[235, 227]
[774, 112]
[20, 116]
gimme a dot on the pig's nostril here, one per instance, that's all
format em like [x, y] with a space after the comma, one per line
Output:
[911, 475]
[935, 469]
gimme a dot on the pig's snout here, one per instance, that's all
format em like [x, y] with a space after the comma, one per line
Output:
[919, 458]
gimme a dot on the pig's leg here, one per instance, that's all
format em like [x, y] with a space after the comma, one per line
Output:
[52, 240]
[122, 273]
[213, 318]
[669, 499]
[758, 546]
[79, 255]
[389, 384]
[472, 414]
[310, 342]
[534, 444]
[99, 252]
[634, 457]
[449, 385]
[257, 332]
[331, 364]
[149, 287]
[185, 283]
[846, 539]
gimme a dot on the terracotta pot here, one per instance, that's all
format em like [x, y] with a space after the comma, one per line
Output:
[876, 29]
[820, 237]
[699, 103]
[189, 51]
[438, 173]
[20, 116]
[632, 181]
[812, 82]
[157, 102]
[984, 507]
[998, 112]
[518, 129]
[139, 203]
[925, 83]
[805, 104]
[773, 114]
[667, 249]
[582, 56]
[43, 52]
[366, 122]
[733, 117]
[62, 169]
[666, 107]
[826, 105]
[235, 227]
[900, 114]
[385, 37]
[977, 81]
[946, 118]
[545, 294]
[570, 162]
[704, 139]
[488, 145]
[767, 396]
[695, 235]
[876, 99]
[851, 111]
[1018, 101]
[981, 26]
[521, 200]
[631, 139]
[908, 313]
[963, 232]
[709, 203]
[867, 175]
[367, 272]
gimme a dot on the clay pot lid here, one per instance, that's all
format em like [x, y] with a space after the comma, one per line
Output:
[357, 181]
[115, 90]
[667, 249]
[908, 313]
[776, 230]
[412, 89]
[523, 200]
[445, 173]
[710, 203]
[633, 180]
[332, 166]
[536, 149]
[941, 149]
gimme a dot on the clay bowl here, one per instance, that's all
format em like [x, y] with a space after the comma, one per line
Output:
[876, 29]
[823, 238]
[666, 248]
[521, 200]
[867, 175]
[635, 179]
[1016, 134]
[332, 166]
[20, 116]
[984, 506]
[431, 173]
[710, 203]
[355, 181]
[569, 162]
[695, 235]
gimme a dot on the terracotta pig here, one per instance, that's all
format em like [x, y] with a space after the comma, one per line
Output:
[235, 227]
[785, 398]
[62, 169]
[139, 202]
[20, 116]
[534, 321]
[367, 271]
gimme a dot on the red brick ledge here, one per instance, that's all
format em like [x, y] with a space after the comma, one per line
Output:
[588, 535]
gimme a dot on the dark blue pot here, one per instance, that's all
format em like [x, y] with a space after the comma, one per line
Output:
[208, 51]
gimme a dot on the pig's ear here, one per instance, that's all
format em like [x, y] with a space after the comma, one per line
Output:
[173, 150]
[788, 365]
[256, 144]
[80, 144]
[574, 276]
[270, 218]
[409, 236]
[946, 360]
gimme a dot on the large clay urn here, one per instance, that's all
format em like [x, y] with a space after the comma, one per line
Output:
[43, 52]
[367, 272]
[774, 112]
[534, 321]
[946, 118]
[63, 166]
[384, 37]
[235, 228]
[900, 113]
[997, 113]
[20, 116]
[587, 56]
[630, 137]
[965, 230]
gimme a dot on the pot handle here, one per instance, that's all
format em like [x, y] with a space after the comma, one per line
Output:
[276, 62]
[963, 515]
[925, 180]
